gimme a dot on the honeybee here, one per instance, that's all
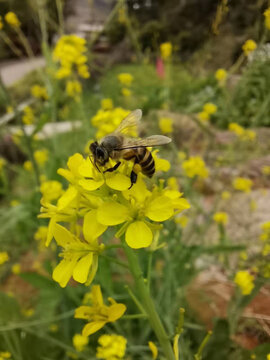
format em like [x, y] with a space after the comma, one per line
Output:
[117, 146]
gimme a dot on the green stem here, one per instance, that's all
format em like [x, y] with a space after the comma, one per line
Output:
[148, 303]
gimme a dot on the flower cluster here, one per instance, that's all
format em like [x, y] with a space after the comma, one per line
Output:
[125, 80]
[28, 115]
[267, 18]
[242, 133]
[245, 281]
[242, 184]
[70, 53]
[221, 76]
[80, 342]
[103, 200]
[111, 347]
[249, 46]
[208, 110]
[12, 20]
[166, 125]
[39, 92]
[74, 89]
[166, 50]
[3, 257]
[221, 218]
[195, 166]
[107, 121]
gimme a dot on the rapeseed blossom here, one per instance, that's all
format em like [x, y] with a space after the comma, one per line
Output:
[41, 156]
[70, 53]
[74, 89]
[99, 314]
[80, 342]
[126, 92]
[249, 46]
[166, 125]
[242, 184]
[28, 166]
[107, 104]
[221, 218]
[242, 133]
[5, 355]
[28, 116]
[16, 269]
[12, 19]
[208, 110]
[267, 18]
[111, 347]
[195, 166]
[166, 50]
[221, 76]
[39, 92]
[51, 190]
[125, 79]
[3, 257]
[245, 281]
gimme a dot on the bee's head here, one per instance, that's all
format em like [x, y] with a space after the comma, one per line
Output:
[100, 154]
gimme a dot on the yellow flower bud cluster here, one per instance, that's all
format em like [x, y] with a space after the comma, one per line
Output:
[221, 76]
[28, 116]
[249, 46]
[242, 184]
[245, 281]
[166, 50]
[39, 92]
[12, 19]
[107, 104]
[80, 342]
[208, 110]
[221, 218]
[242, 133]
[74, 89]
[70, 52]
[3, 257]
[111, 347]
[125, 79]
[195, 166]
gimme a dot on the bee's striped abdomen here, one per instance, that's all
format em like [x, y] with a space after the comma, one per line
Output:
[145, 159]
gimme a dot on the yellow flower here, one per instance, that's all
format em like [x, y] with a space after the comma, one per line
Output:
[39, 92]
[195, 166]
[112, 347]
[51, 190]
[249, 46]
[27, 165]
[16, 268]
[221, 76]
[245, 281]
[28, 312]
[41, 156]
[53, 328]
[99, 314]
[266, 250]
[210, 108]
[268, 356]
[157, 206]
[70, 53]
[242, 133]
[5, 355]
[74, 89]
[126, 92]
[12, 20]
[267, 18]
[166, 50]
[28, 116]
[225, 195]
[107, 104]
[80, 258]
[3, 257]
[1, 23]
[154, 349]
[242, 184]
[266, 170]
[203, 116]
[125, 79]
[16, 136]
[221, 218]
[80, 342]
[166, 125]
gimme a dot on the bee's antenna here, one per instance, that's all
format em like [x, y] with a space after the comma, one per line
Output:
[94, 163]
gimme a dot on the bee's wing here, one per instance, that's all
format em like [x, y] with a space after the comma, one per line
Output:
[154, 140]
[130, 123]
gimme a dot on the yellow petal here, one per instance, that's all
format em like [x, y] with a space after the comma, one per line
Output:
[86, 168]
[116, 311]
[97, 295]
[62, 236]
[74, 163]
[162, 164]
[112, 213]
[153, 349]
[92, 229]
[159, 209]
[63, 271]
[67, 198]
[66, 174]
[91, 184]
[93, 270]
[92, 327]
[118, 181]
[181, 204]
[138, 191]
[82, 312]
[138, 235]
[50, 231]
[81, 270]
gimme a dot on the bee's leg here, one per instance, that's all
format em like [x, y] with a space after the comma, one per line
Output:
[116, 166]
[133, 178]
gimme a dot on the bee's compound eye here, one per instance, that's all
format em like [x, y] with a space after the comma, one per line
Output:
[100, 152]
[93, 147]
